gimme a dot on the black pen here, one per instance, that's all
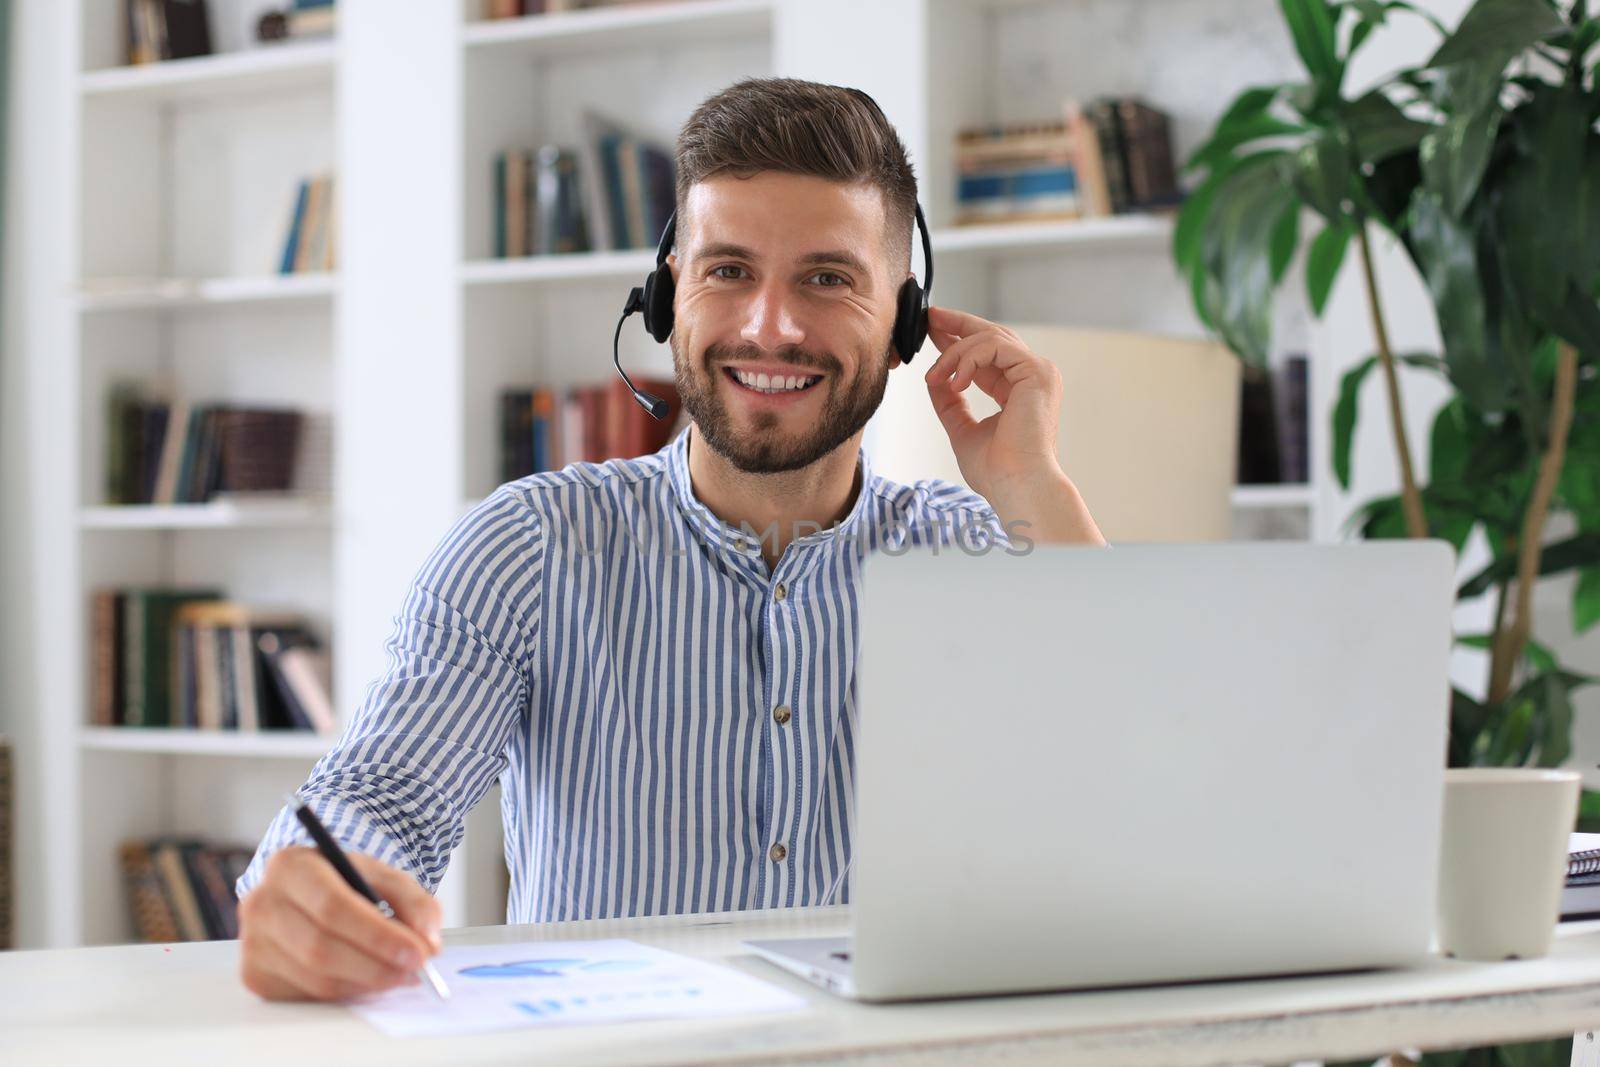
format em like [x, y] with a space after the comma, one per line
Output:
[335, 855]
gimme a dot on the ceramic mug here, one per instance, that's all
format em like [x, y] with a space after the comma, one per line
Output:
[1503, 860]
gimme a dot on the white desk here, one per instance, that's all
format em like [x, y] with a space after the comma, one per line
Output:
[184, 1004]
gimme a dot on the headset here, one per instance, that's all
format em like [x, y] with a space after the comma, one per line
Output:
[654, 300]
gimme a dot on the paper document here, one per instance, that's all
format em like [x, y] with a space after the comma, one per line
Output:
[545, 983]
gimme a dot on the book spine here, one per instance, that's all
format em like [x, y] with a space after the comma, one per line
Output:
[134, 712]
[152, 915]
[291, 244]
[1294, 429]
[103, 629]
[500, 205]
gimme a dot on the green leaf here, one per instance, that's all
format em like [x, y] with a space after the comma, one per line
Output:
[1285, 237]
[1580, 550]
[1555, 702]
[1247, 107]
[1467, 719]
[1378, 128]
[1492, 27]
[1589, 812]
[1455, 155]
[1322, 174]
[1554, 1052]
[1230, 135]
[1344, 408]
[1196, 213]
[1540, 658]
[1311, 27]
[1235, 252]
[1447, 446]
[1586, 600]
[1344, 417]
[1322, 264]
[1444, 249]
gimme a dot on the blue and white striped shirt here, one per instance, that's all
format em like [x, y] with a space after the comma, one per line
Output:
[673, 725]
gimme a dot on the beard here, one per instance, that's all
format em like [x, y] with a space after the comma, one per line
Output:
[764, 447]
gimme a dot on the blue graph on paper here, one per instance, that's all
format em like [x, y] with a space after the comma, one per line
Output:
[552, 968]
[549, 1007]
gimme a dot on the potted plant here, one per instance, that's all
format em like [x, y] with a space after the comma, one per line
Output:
[1484, 163]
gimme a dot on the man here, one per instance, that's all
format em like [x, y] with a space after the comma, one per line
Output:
[656, 657]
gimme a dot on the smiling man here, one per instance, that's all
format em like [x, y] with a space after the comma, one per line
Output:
[656, 657]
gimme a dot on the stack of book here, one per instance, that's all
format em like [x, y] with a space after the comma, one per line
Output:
[312, 18]
[1274, 429]
[541, 430]
[309, 242]
[182, 890]
[1111, 157]
[538, 203]
[156, 30]
[187, 658]
[161, 451]
[615, 192]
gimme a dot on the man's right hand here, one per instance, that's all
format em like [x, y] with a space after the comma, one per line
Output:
[306, 935]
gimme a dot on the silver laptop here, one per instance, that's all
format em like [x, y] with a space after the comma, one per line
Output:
[1085, 767]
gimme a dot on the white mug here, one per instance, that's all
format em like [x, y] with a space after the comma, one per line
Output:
[1503, 860]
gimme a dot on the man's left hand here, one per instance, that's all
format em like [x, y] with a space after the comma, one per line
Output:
[1017, 444]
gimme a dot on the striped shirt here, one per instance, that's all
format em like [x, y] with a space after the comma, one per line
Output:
[672, 723]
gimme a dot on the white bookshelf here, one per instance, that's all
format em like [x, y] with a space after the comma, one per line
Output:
[172, 742]
[216, 515]
[184, 174]
[285, 66]
[111, 294]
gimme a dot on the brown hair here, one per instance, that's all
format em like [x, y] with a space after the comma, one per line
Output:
[801, 127]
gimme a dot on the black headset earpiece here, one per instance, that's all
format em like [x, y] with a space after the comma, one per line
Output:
[911, 316]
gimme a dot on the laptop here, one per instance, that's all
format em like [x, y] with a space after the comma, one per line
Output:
[1083, 767]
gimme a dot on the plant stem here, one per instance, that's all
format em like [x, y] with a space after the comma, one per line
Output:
[1510, 641]
[1410, 495]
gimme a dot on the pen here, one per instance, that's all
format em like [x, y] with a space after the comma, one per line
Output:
[335, 855]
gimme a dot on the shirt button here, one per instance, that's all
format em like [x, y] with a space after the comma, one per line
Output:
[738, 544]
[781, 713]
[780, 592]
[778, 852]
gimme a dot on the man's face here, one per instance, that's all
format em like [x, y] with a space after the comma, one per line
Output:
[784, 276]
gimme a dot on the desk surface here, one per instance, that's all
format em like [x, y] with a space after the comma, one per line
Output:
[184, 1003]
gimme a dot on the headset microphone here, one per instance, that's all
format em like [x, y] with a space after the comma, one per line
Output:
[653, 404]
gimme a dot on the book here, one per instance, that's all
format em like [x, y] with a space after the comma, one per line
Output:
[1293, 416]
[152, 915]
[148, 690]
[297, 217]
[626, 181]
[559, 225]
[252, 669]
[191, 452]
[157, 30]
[181, 889]
[1017, 171]
[1258, 460]
[541, 430]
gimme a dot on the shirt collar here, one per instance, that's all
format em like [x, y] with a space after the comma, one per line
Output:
[730, 538]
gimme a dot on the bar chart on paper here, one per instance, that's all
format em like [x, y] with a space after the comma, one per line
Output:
[563, 983]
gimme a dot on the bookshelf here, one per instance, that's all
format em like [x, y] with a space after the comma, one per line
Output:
[182, 175]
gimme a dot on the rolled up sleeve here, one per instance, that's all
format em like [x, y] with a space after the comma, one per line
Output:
[431, 734]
